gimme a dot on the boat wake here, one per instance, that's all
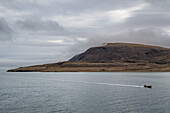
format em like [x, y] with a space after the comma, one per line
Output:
[98, 83]
[83, 82]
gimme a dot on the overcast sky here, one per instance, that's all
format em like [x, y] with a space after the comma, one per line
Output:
[46, 31]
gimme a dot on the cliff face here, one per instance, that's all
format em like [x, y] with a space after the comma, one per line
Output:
[109, 58]
[123, 52]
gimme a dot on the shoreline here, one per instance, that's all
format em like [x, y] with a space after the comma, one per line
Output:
[95, 67]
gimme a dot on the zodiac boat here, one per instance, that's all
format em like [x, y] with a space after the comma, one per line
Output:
[145, 86]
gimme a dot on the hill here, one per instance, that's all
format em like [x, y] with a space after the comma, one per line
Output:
[111, 57]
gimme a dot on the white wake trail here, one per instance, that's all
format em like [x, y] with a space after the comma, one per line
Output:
[83, 82]
[98, 83]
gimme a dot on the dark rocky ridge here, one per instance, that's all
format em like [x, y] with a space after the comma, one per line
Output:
[112, 57]
[124, 52]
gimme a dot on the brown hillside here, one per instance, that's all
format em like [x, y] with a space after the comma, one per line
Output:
[124, 52]
[122, 57]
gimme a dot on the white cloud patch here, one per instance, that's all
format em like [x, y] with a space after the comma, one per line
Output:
[95, 19]
[56, 41]
[81, 39]
[122, 14]
[166, 30]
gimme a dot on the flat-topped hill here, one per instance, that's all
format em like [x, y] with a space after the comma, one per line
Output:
[109, 58]
[124, 52]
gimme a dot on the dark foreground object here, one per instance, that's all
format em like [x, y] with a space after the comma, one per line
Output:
[147, 86]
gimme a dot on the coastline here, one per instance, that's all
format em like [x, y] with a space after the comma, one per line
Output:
[95, 67]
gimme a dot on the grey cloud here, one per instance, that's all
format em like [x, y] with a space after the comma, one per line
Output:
[149, 20]
[70, 4]
[6, 32]
[159, 4]
[39, 25]
[146, 36]
[41, 38]
[14, 55]
[43, 8]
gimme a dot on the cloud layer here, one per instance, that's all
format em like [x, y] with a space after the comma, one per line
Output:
[6, 32]
[42, 31]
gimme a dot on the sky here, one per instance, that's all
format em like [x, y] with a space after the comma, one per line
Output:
[47, 31]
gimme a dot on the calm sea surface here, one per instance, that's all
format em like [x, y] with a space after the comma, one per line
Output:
[84, 92]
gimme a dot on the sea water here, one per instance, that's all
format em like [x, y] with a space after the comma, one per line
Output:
[84, 92]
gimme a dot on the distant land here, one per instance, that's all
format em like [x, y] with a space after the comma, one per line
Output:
[112, 57]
